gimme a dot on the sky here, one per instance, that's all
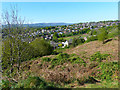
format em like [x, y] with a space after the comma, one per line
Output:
[67, 12]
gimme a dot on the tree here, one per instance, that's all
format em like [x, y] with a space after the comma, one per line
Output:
[21, 51]
[41, 47]
[55, 37]
[14, 46]
[102, 35]
[74, 42]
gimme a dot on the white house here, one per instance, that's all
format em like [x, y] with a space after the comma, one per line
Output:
[85, 38]
[65, 44]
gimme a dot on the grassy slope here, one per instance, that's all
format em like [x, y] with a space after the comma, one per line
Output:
[90, 48]
[67, 70]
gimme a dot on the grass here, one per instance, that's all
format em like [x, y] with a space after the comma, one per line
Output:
[104, 84]
[68, 69]
[75, 36]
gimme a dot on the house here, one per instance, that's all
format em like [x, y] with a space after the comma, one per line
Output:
[60, 33]
[73, 30]
[65, 44]
[85, 38]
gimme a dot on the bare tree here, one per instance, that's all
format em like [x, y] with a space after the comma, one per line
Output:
[14, 31]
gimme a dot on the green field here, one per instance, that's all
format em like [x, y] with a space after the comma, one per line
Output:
[75, 36]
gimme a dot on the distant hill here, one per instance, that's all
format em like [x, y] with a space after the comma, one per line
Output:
[46, 24]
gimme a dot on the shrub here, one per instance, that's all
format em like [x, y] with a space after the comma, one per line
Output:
[47, 59]
[60, 45]
[92, 38]
[92, 65]
[62, 56]
[77, 41]
[61, 39]
[107, 70]
[34, 82]
[77, 60]
[98, 57]
[85, 79]
[41, 47]
[14, 51]
[103, 35]
[60, 59]
[5, 84]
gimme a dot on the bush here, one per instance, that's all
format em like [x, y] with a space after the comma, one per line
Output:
[77, 41]
[41, 48]
[61, 40]
[60, 59]
[46, 59]
[60, 45]
[88, 79]
[98, 57]
[31, 82]
[92, 38]
[108, 71]
[77, 60]
[103, 35]
[34, 82]
[5, 84]
[62, 56]
[113, 33]
[15, 50]
[92, 65]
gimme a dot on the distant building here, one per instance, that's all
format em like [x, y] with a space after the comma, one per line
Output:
[65, 44]
[85, 38]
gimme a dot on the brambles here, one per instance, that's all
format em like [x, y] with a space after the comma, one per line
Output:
[30, 82]
[62, 56]
[5, 84]
[98, 57]
[107, 70]
[88, 79]
[46, 59]
[77, 60]
[92, 65]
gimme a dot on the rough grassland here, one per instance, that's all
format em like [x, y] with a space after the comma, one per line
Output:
[69, 74]
[90, 48]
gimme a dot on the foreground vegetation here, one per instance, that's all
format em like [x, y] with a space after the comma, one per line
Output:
[26, 65]
[98, 70]
[62, 71]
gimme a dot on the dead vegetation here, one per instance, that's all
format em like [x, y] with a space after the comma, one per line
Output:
[69, 73]
[90, 48]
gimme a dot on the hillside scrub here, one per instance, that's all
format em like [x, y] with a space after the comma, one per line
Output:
[65, 69]
[77, 41]
[102, 35]
[98, 57]
[15, 51]
[107, 71]
[30, 82]
[64, 57]
[92, 38]
[41, 47]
